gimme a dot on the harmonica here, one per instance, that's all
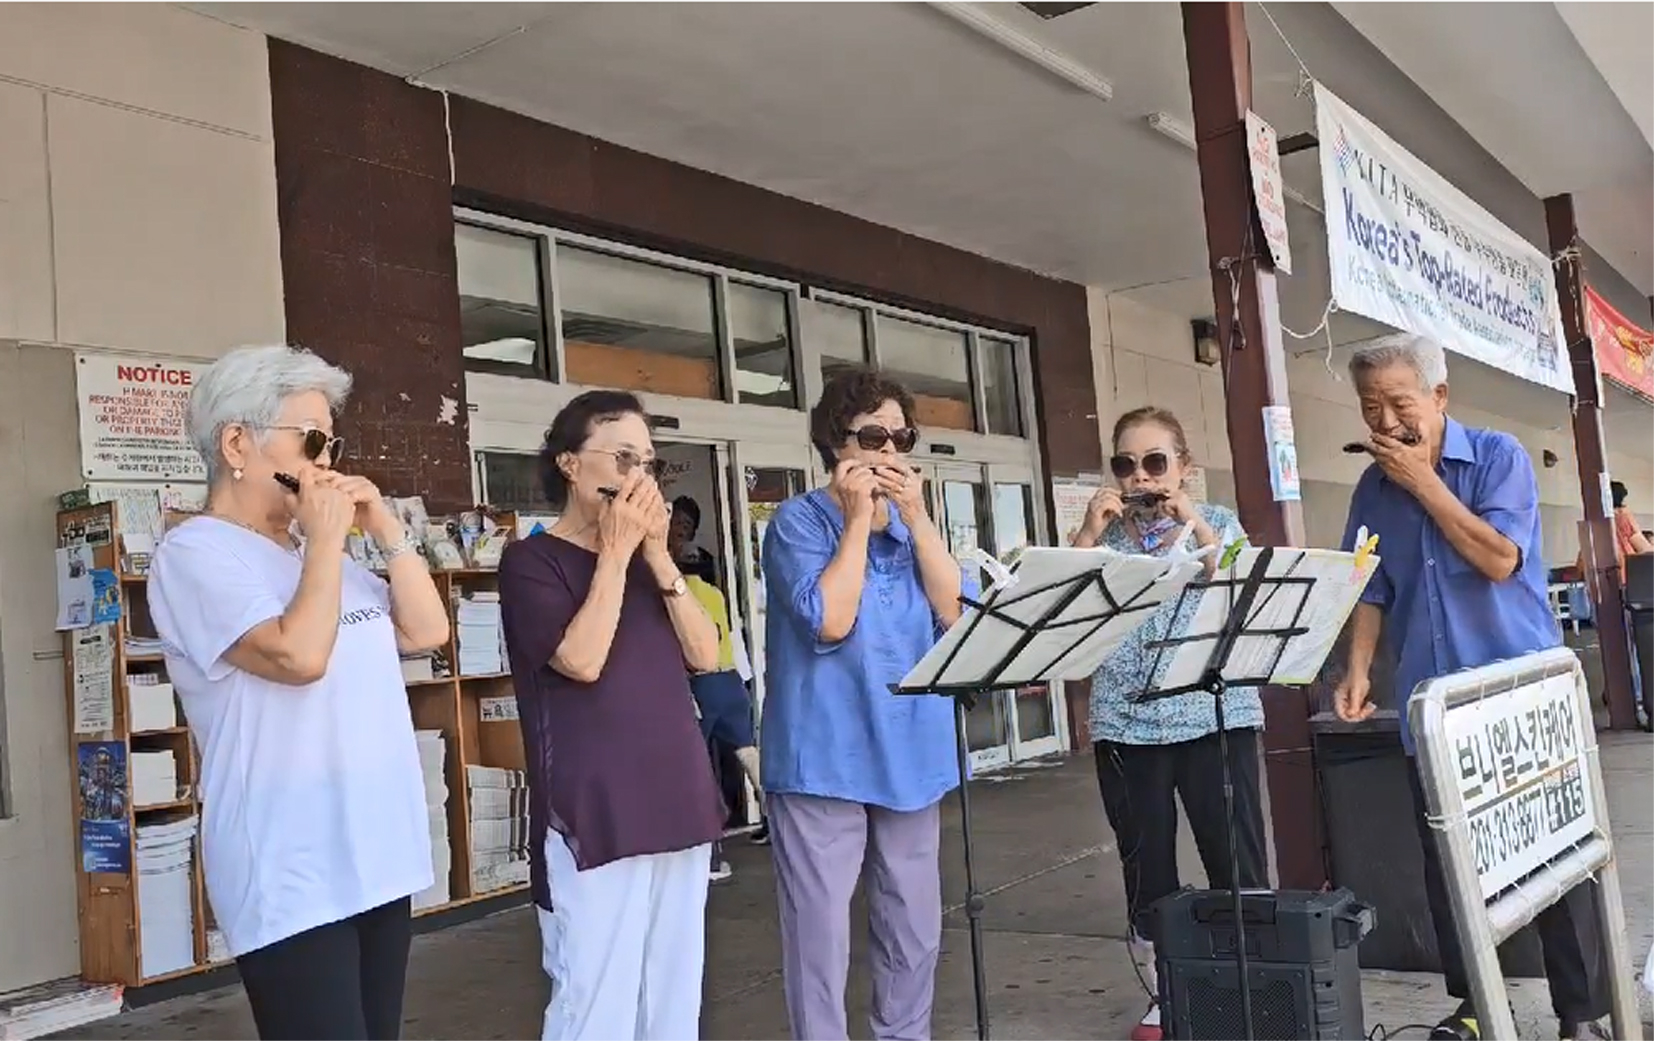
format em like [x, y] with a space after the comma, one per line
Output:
[1144, 498]
[1359, 447]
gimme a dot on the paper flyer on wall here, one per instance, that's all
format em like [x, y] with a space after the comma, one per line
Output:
[105, 828]
[76, 594]
[92, 659]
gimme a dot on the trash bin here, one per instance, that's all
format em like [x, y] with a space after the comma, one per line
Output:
[1639, 606]
[1372, 843]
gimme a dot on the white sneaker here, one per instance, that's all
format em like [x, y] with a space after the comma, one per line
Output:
[721, 870]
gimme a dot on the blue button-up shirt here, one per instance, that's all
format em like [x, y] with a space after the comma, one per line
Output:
[1441, 614]
[831, 726]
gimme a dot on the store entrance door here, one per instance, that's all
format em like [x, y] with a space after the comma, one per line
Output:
[991, 508]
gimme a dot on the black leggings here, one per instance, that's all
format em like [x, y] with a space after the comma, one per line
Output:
[1141, 785]
[343, 980]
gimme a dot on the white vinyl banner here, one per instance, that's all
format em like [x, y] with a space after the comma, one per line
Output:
[1408, 249]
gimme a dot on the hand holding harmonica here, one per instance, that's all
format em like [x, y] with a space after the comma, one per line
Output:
[1408, 438]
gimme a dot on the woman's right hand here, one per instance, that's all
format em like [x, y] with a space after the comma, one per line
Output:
[1102, 510]
[627, 519]
[853, 485]
[324, 512]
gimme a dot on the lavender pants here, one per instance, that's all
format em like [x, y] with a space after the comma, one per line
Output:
[822, 847]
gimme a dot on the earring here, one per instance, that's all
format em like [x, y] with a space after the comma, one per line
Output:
[236, 474]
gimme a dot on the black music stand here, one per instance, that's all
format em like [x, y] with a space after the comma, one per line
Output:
[1062, 612]
[1264, 611]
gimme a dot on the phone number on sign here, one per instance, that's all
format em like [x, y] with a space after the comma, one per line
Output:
[1512, 826]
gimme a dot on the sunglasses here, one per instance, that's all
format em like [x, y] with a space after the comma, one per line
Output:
[627, 460]
[1155, 464]
[316, 442]
[873, 437]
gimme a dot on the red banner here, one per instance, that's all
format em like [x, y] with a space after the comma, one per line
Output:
[1625, 352]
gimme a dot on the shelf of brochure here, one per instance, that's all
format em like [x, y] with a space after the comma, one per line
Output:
[144, 916]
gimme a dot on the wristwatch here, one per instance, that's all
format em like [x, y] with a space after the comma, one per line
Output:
[678, 588]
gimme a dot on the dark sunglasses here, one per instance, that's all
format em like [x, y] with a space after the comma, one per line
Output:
[626, 460]
[873, 437]
[316, 442]
[1154, 464]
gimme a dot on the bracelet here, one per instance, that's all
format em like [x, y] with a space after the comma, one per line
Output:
[406, 544]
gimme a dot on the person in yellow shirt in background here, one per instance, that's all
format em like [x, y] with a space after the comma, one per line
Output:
[721, 697]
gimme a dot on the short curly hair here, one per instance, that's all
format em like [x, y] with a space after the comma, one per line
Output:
[570, 430]
[850, 393]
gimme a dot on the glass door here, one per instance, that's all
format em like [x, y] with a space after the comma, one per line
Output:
[767, 475]
[960, 505]
[1037, 719]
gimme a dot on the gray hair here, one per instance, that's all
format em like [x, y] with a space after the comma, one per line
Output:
[1422, 355]
[248, 386]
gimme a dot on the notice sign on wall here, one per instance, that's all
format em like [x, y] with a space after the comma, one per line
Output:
[132, 418]
[1407, 248]
[1263, 154]
[1519, 764]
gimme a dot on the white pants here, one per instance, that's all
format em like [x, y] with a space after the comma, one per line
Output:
[624, 945]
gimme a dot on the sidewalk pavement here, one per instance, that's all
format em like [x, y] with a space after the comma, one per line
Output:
[1057, 964]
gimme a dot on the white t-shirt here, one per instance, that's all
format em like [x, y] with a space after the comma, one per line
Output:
[313, 799]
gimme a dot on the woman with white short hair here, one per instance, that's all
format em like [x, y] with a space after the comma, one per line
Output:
[284, 652]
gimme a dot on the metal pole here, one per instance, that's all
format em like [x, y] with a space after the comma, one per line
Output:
[1624, 1014]
[1608, 601]
[973, 899]
[1254, 375]
[1476, 940]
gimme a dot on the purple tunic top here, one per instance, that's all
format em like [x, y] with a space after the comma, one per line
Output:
[617, 767]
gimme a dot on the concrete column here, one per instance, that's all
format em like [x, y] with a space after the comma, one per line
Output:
[1603, 577]
[1254, 375]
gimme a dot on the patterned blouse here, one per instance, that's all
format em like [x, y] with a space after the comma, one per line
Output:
[1183, 717]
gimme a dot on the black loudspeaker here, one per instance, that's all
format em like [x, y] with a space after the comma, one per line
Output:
[1301, 965]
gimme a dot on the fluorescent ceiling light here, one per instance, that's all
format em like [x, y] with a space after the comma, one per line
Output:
[1054, 62]
[1172, 128]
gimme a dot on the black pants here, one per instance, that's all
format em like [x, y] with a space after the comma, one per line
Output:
[1567, 935]
[1141, 785]
[342, 981]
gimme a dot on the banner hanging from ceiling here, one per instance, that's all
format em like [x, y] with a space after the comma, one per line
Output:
[1408, 249]
[1625, 352]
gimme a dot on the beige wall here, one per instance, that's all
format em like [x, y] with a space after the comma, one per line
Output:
[137, 214]
[1146, 356]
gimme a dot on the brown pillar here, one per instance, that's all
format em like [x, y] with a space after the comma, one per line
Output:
[1254, 375]
[1598, 539]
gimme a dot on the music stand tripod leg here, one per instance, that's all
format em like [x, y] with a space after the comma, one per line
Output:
[973, 899]
[1219, 689]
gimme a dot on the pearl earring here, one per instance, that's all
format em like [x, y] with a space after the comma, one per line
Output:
[236, 474]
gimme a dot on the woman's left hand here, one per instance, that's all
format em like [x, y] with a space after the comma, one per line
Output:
[904, 488]
[1180, 507]
[373, 515]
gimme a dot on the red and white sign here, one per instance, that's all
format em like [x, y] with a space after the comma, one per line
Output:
[1264, 157]
[1625, 351]
[132, 418]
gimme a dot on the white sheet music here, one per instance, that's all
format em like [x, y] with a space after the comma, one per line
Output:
[1322, 608]
[1073, 643]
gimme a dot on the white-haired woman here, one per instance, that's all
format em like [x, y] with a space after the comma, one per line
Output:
[284, 652]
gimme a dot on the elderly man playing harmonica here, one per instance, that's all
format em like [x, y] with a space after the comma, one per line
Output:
[1462, 582]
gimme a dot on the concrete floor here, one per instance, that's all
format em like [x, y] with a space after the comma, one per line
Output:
[1055, 921]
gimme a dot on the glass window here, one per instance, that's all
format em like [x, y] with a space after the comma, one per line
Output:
[999, 386]
[763, 341]
[931, 363]
[637, 326]
[501, 325]
[843, 338]
[511, 481]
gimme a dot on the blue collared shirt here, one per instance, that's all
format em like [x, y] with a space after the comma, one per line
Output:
[831, 726]
[1443, 615]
